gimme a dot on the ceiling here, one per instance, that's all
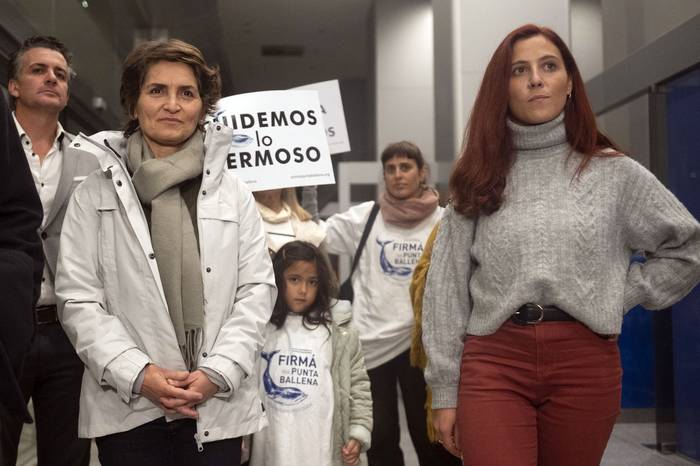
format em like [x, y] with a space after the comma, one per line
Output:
[332, 36]
[331, 33]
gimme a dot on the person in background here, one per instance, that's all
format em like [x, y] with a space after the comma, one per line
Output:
[21, 264]
[40, 73]
[382, 311]
[285, 220]
[530, 274]
[164, 280]
[312, 373]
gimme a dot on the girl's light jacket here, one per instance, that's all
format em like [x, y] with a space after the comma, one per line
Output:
[112, 305]
[352, 396]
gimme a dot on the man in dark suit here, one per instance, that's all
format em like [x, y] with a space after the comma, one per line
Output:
[21, 263]
[39, 77]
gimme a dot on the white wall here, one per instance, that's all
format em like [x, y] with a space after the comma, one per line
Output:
[448, 91]
[587, 36]
[629, 25]
[628, 126]
[404, 73]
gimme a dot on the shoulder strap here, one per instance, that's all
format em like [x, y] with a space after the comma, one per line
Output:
[365, 233]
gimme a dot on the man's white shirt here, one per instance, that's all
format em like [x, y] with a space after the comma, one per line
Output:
[46, 176]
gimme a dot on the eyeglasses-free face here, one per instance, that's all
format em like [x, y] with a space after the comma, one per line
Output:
[169, 107]
[539, 83]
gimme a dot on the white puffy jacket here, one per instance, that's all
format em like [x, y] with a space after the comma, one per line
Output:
[112, 305]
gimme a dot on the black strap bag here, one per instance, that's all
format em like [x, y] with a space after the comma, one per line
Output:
[346, 292]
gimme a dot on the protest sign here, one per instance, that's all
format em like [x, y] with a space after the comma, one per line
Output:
[278, 139]
[333, 114]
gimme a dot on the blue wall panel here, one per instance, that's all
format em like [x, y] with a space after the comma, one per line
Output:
[637, 358]
[683, 120]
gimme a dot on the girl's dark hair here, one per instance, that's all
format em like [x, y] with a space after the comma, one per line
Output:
[319, 312]
[479, 176]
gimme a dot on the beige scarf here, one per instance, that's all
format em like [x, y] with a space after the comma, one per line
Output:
[307, 230]
[158, 183]
[407, 213]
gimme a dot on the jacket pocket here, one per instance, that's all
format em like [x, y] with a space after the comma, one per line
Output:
[220, 243]
[108, 208]
[218, 211]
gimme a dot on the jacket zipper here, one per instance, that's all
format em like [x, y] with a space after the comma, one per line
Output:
[198, 441]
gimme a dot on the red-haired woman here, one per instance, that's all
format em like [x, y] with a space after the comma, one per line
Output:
[530, 275]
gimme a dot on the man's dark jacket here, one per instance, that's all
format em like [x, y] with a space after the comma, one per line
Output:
[21, 261]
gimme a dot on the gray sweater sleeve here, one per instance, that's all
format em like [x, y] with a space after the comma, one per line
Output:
[657, 223]
[447, 306]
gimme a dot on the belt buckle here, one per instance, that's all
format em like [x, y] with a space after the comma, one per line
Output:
[536, 307]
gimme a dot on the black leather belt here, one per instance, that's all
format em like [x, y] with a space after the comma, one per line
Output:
[532, 313]
[46, 314]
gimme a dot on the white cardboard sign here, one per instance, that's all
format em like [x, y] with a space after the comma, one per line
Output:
[279, 139]
[333, 114]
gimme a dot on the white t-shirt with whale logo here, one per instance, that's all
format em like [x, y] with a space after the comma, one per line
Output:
[382, 311]
[297, 391]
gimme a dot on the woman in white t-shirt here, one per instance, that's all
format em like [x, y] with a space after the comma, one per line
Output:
[382, 310]
[285, 220]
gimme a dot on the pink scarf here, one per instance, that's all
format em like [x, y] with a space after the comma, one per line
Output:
[407, 213]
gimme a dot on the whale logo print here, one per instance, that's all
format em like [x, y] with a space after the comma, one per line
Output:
[389, 268]
[282, 395]
[241, 140]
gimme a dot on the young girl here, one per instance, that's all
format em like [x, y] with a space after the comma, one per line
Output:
[313, 380]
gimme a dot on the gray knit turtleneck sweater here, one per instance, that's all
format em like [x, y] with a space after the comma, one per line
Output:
[557, 240]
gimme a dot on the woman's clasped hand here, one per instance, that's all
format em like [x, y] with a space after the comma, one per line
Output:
[177, 391]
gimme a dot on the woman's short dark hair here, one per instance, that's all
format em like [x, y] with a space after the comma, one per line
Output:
[319, 312]
[404, 148]
[139, 61]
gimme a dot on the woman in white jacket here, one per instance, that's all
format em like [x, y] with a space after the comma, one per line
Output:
[164, 281]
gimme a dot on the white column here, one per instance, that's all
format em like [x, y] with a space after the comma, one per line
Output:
[448, 87]
[403, 71]
[587, 36]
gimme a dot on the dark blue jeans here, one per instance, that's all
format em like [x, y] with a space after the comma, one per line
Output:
[161, 443]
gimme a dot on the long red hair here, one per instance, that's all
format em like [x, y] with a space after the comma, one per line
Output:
[479, 175]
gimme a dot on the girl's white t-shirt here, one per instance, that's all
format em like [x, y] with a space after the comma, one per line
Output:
[297, 391]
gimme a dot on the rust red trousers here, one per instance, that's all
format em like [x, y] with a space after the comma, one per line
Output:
[538, 395]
